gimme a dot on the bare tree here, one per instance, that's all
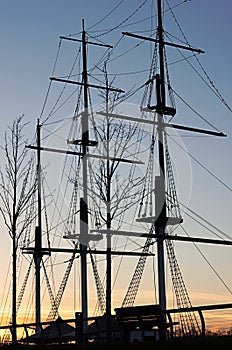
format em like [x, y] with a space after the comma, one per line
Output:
[17, 189]
[111, 192]
[119, 140]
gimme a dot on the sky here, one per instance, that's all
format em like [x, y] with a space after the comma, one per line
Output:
[29, 37]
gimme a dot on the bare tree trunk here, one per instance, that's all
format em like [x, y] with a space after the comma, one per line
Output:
[17, 189]
[14, 285]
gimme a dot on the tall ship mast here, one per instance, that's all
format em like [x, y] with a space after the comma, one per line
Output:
[116, 205]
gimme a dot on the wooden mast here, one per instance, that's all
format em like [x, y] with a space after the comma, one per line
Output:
[160, 180]
[38, 234]
[84, 200]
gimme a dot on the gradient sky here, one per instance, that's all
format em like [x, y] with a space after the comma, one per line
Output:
[29, 37]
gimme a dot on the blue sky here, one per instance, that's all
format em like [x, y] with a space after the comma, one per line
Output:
[29, 37]
[29, 32]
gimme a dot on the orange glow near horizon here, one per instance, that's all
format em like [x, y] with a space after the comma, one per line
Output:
[219, 321]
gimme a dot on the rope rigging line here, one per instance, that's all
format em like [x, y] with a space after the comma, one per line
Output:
[95, 210]
[128, 50]
[133, 288]
[29, 311]
[170, 90]
[23, 288]
[210, 265]
[71, 225]
[153, 72]
[58, 208]
[125, 73]
[57, 300]
[131, 179]
[210, 83]
[127, 240]
[135, 282]
[207, 222]
[53, 123]
[98, 40]
[217, 92]
[45, 213]
[49, 86]
[107, 15]
[137, 22]
[202, 166]
[50, 292]
[172, 201]
[124, 21]
[94, 125]
[30, 211]
[204, 226]
[189, 322]
[54, 110]
[6, 292]
[99, 286]
[103, 60]
[148, 181]
[19, 299]
[197, 113]
[130, 176]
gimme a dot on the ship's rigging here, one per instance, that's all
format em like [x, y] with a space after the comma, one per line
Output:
[110, 142]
